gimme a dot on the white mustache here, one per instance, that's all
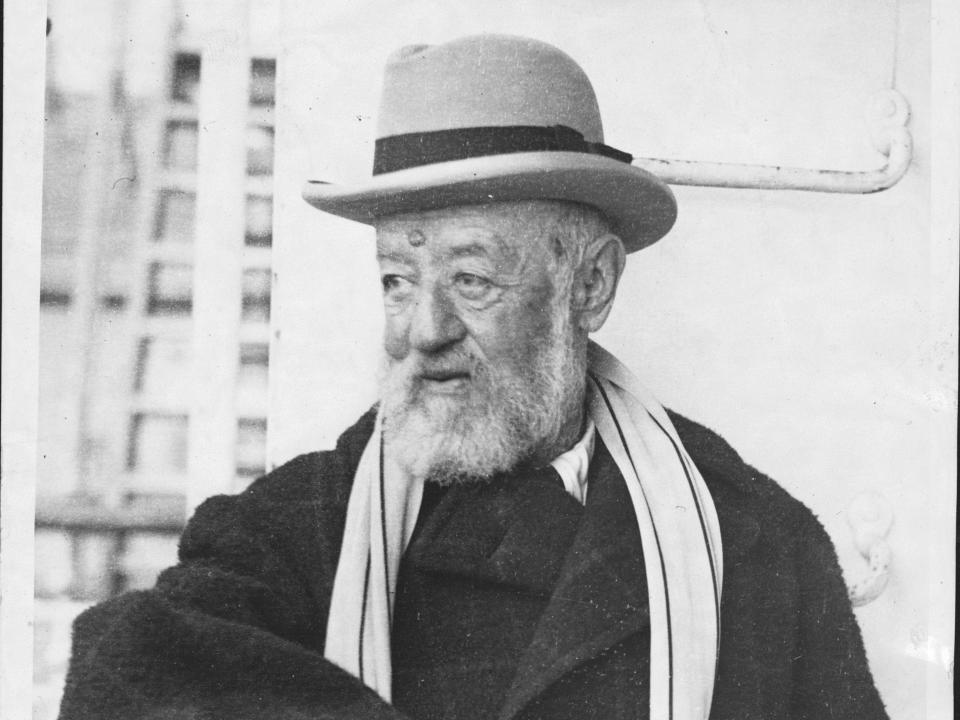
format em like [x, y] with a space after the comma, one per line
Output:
[450, 365]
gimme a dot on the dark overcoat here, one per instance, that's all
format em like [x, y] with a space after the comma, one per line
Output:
[236, 629]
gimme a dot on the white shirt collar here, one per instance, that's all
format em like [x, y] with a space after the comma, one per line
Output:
[574, 464]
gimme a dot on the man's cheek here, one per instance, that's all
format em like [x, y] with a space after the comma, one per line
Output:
[395, 338]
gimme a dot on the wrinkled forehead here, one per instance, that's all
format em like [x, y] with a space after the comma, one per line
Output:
[506, 229]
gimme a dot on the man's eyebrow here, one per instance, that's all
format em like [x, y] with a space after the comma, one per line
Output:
[469, 249]
[391, 255]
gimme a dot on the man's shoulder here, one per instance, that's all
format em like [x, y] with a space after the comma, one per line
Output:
[316, 483]
[302, 501]
[330, 470]
[734, 482]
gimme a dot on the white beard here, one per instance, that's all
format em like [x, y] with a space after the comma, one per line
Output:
[507, 417]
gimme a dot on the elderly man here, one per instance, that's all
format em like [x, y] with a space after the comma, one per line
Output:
[517, 530]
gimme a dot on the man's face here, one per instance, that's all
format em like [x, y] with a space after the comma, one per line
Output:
[481, 372]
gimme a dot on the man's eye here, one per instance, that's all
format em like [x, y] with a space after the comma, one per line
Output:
[394, 286]
[472, 287]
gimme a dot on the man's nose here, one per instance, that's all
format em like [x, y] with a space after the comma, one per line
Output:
[435, 323]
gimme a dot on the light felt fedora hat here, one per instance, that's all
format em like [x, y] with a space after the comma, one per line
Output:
[490, 118]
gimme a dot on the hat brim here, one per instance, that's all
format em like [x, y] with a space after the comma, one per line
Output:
[640, 206]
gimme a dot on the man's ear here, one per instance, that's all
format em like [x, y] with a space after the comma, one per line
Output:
[595, 283]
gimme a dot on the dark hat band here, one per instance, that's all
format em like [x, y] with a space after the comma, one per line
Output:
[399, 152]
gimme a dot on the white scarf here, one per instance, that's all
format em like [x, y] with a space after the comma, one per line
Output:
[678, 529]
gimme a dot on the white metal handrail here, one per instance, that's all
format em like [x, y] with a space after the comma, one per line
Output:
[893, 139]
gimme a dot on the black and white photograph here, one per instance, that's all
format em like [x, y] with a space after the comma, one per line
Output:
[532, 360]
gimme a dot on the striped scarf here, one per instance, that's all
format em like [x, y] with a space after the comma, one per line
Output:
[678, 529]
